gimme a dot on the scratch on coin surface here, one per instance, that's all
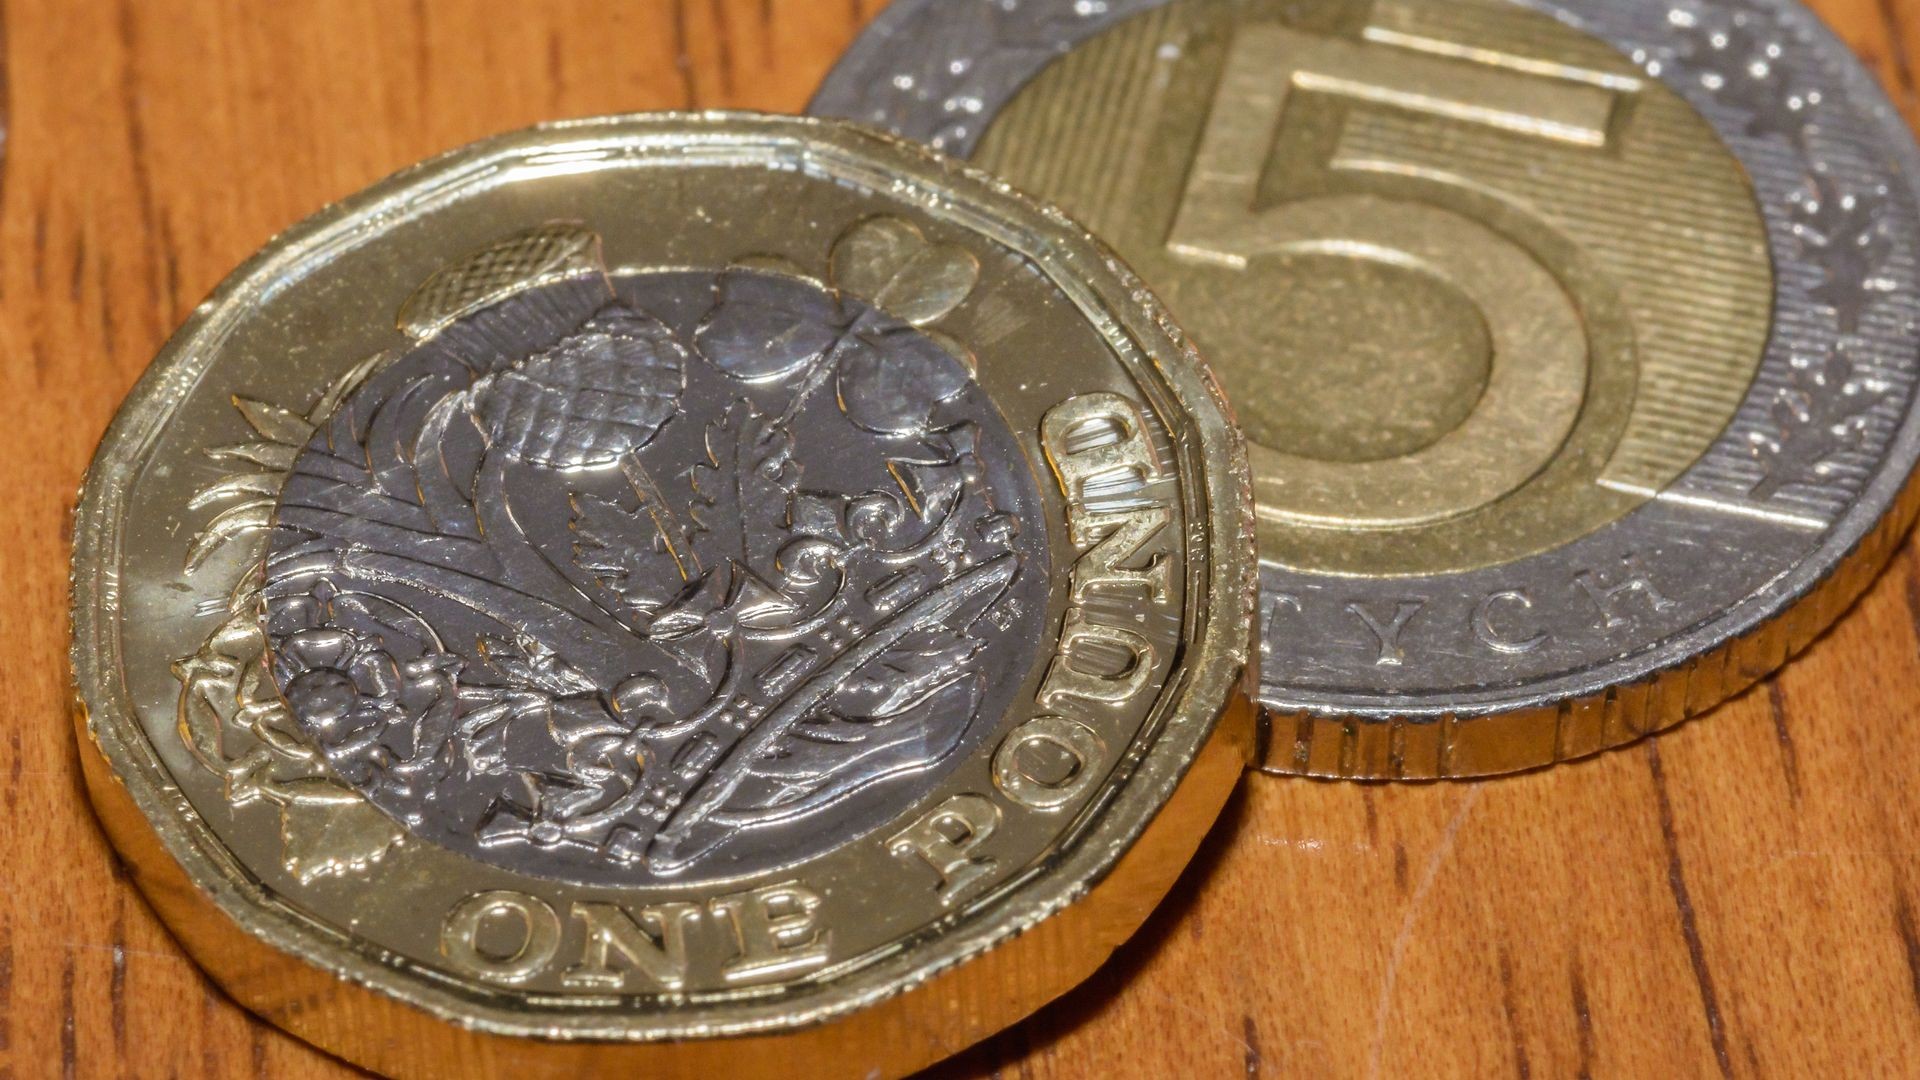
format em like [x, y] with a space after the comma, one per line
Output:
[1402, 939]
[1784, 518]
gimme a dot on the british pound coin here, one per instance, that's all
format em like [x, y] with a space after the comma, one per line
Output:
[1574, 339]
[682, 594]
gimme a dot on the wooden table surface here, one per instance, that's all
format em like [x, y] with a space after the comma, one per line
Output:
[1740, 897]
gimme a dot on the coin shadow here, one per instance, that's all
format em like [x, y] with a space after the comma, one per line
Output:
[1065, 1014]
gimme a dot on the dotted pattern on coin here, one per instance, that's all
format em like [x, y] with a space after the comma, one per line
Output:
[1739, 524]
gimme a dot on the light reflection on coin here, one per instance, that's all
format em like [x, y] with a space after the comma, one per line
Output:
[547, 613]
[1574, 339]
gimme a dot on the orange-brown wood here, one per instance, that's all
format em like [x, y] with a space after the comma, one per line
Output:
[1741, 897]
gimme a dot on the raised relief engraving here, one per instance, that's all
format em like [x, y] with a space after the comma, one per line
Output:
[501, 936]
[1740, 60]
[1611, 598]
[1386, 631]
[1047, 762]
[619, 579]
[229, 715]
[1098, 663]
[509, 937]
[946, 837]
[1278, 606]
[1098, 447]
[1822, 414]
[650, 943]
[1528, 407]
[1113, 538]
[1839, 227]
[1105, 465]
[1400, 243]
[1096, 437]
[1487, 621]
[1846, 231]
[775, 934]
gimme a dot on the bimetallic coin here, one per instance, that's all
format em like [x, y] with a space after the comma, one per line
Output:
[687, 594]
[1574, 340]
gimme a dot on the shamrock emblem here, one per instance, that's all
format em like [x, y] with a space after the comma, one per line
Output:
[866, 330]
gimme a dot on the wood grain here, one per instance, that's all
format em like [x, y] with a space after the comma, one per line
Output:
[1741, 898]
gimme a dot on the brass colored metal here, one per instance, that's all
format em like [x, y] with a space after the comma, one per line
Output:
[393, 575]
[1426, 284]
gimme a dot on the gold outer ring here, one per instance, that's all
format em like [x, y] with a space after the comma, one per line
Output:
[930, 998]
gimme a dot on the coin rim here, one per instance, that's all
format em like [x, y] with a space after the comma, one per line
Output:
[267, 959]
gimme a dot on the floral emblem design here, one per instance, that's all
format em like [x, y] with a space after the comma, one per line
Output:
[610, 578]
[230, 716]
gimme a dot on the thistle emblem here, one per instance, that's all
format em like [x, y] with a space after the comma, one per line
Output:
[608, 577]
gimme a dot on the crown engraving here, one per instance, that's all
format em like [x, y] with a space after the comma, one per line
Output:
[607, 575]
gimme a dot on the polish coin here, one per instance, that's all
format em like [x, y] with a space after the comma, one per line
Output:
[1573, 339]
[686, 595]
